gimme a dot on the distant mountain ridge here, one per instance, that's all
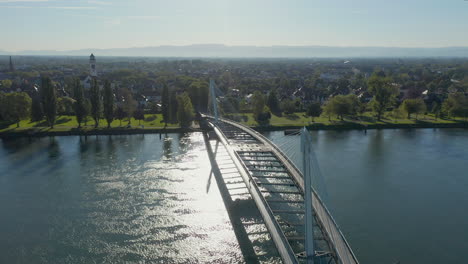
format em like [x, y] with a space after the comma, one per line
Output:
[220, 50]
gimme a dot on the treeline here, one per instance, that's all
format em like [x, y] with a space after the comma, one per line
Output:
[96, 103]
[384, 101]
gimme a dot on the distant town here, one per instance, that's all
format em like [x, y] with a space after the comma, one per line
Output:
[258, 92]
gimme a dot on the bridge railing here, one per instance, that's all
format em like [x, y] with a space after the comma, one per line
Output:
[328, 222]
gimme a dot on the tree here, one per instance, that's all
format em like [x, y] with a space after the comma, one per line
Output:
[165, 104]
[229, 105]
[108, 102]
[49, 101]
[2, 107]
[260, 110]
[288, 106]
[338, 106]
[184, 110]
[342, 105]
[327, 110]
[435, 109]
[203, 94]
[129, 104]
[414, 106]
[258, 104]
[456, 105]
[81, 110]
[194, 94]
[65, 105]
[96, 102]
[173, 106]
[362, 107]
[87, 108]
[354, 105]
[6, 84]
[314, 110]
[120, 114]
[17, 106]
[139, 115]
[36, 108]
[273, 102]
[383, 91]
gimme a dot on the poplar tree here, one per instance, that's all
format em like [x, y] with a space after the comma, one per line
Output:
[184, 110]
[36, 108]
[108, 101]
[173, 106]
[95, 99]
[129, 104]
[81, 110]
[49, 101]
[165, 104]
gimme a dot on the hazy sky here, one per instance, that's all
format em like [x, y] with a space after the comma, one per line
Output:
[77, 24]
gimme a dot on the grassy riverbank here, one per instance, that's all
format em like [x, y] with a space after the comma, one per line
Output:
[366, 120]
[67, 125]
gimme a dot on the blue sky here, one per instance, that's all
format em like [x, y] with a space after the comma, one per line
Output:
[78, 24]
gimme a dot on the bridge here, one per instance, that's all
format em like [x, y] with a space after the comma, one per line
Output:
[300, 225]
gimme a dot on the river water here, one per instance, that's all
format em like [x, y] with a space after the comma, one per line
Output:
[398, 195]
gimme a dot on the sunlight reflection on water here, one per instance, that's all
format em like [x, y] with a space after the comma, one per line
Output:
[117, 199]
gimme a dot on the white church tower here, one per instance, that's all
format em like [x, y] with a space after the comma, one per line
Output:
[92, 66]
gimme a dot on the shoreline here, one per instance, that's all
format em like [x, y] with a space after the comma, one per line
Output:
[136, 131]
[94, 132]
[356, 126]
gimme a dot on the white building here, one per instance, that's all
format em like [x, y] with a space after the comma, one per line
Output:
[86, 82]
[92, 66]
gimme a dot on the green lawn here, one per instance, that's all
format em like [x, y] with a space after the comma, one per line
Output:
[65, 123]
[153, 121]
[300, 119]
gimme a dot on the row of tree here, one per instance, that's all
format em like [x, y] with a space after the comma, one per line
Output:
[456, 105]
[96, 103]
[381, 87]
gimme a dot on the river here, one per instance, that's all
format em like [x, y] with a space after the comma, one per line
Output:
[398, 195]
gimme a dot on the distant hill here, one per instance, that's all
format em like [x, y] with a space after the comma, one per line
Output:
[219, 50]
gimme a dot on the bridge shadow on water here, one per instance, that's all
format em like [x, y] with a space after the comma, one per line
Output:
[251, 233]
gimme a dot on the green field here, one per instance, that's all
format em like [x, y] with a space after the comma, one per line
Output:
[153, 121]
[66, 123]
[300, 119]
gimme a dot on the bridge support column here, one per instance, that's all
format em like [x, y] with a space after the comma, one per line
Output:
[306, 141]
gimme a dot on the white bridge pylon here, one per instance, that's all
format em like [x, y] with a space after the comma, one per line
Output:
[306, 143]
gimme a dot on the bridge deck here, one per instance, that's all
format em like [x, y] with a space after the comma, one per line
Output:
[277, 188]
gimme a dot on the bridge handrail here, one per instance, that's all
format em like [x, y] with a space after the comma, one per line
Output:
[280, 240]
[329, 215]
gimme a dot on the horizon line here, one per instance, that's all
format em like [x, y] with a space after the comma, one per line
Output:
[233, 46]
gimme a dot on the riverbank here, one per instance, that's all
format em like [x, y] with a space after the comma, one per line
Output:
[357, 126]
[44, 132]
[367, 121]
[67, 126]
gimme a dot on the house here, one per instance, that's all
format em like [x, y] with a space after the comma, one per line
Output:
[152, 96]
[141, 100]
[248, 98]
[86, 82]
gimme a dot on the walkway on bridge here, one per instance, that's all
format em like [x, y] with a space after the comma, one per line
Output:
[277, 187]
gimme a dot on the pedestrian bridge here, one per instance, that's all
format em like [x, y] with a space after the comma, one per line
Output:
[298, 222]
